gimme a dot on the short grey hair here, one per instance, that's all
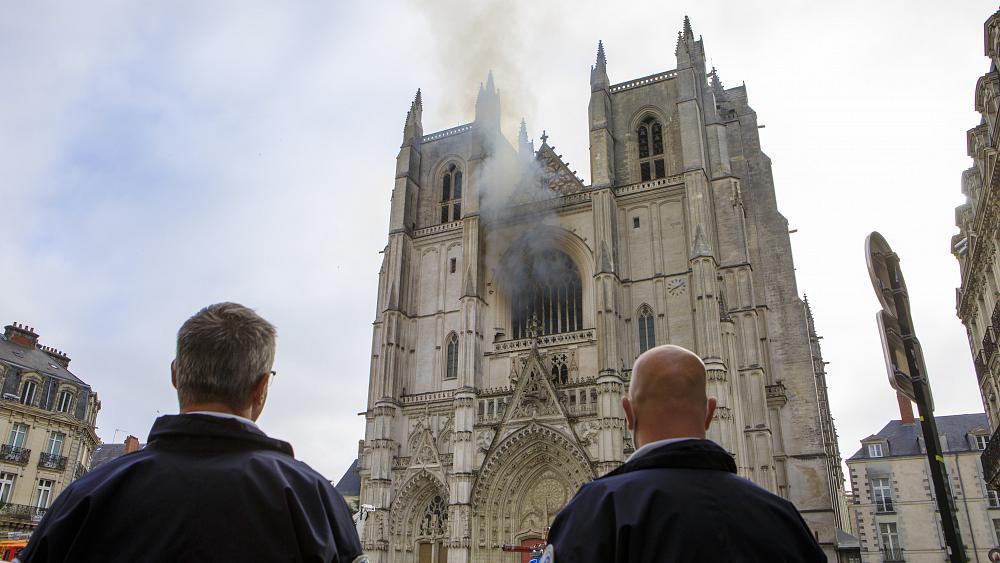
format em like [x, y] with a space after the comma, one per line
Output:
[222, 352]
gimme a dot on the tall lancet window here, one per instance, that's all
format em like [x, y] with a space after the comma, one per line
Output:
[451, 357]
[651, 164]
[451, 194]
[647, 332]
[546, 293]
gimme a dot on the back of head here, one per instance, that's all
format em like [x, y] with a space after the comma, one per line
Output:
[667, 393]
[222, 351]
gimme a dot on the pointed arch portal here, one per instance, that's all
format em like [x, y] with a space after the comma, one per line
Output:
[524, 482]
[419, 520]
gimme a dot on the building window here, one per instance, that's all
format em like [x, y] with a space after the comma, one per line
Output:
[451, 357]
[647, 332]
[44, 493]
[55, 446]
[452, 264]
[891, 548]
[451, 194]
[981, 441]
[28, 392]
[546, 296]
[18, 433]
[651, 163]
[435, 520]
[560, 371]
[635, 222]
[65, 401]
[994, 498]
[996, 529]
[6, 486]
[882, 495]
[875, 450]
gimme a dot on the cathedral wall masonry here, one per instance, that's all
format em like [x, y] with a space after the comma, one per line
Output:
[513, 299]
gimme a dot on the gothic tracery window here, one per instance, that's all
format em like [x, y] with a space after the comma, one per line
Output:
[451, 194]
[451, 357]
[560, 371]
[651, 163]
[546, 294]
[647, 331]
[435, 520]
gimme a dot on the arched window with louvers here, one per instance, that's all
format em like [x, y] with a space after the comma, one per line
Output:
[451, 194]
[650, 138]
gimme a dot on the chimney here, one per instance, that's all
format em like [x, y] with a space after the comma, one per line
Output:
[905, 409]
[131, 444]
[59, 356]
[21, 335]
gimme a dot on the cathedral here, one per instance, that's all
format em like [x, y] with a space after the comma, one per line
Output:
[513, 299]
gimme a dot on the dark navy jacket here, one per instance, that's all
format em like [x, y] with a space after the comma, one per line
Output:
[680, 502]
[205, 488]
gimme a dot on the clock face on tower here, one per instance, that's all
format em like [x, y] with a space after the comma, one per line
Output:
[676, 286]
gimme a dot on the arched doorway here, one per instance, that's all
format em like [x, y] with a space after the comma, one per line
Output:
[419, 521]
[521, 487]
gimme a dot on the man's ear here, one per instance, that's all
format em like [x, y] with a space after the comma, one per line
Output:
[260, 391]
[173, 374]
[712, 402]
[629, 414]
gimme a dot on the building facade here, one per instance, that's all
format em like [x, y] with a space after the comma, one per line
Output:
[47, 419]
[895, 510]
[976, 244]
[513, 299]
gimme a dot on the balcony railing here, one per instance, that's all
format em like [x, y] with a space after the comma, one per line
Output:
[884, 505]
[892, 554]
[52, 461]
[21, 511]
[989, 344]
[14, 454]
[80, 471]
[581, 409]
[980, 364]
[991, 460]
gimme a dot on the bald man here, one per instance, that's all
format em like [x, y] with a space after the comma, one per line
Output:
[678, 497]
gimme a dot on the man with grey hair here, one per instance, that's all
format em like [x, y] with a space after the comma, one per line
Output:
[678, 497]
[209, 485]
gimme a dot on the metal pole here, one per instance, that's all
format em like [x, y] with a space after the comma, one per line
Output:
[928, 425]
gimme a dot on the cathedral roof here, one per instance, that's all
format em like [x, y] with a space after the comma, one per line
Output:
[556, 173]
[350, 484]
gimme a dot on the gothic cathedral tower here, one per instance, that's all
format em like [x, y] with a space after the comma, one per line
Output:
[513, 298]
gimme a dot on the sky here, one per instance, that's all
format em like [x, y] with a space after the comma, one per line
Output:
[157, 157]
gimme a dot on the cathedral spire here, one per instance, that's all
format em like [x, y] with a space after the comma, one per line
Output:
[488, 104]
[689, 51]
[526, 148]
[599, 72]
[413, 129]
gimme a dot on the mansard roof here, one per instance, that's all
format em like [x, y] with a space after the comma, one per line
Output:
[904, 439]
[34, 359]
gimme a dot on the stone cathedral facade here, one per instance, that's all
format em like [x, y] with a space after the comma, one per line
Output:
[513, 299]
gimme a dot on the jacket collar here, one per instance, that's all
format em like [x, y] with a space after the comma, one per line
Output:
[201, 426]
[688, 454]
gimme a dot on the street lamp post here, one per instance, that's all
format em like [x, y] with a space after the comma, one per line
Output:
[908, 374]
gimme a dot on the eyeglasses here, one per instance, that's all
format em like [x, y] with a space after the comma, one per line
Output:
[273, 375]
